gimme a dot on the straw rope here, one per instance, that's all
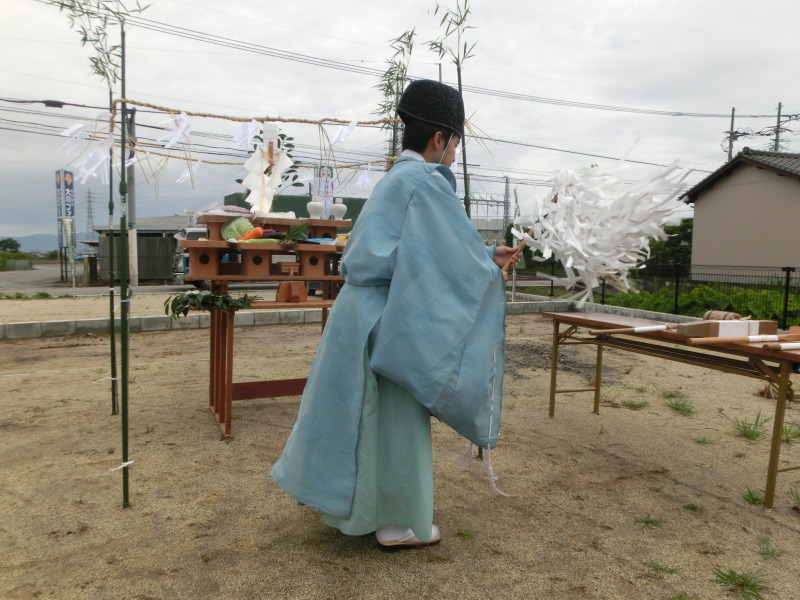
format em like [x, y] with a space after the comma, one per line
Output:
[140, 144]
[176, 111]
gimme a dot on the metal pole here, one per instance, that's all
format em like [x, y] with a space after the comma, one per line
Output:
[112, 335]
[513, 285]
[785, 318]
[123, 281]
[730, 135]
[777, 145]
[677, 286]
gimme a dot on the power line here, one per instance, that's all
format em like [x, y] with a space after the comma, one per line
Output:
[193, 34]
[196, 35]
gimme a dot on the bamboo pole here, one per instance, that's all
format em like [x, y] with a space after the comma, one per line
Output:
[123, 283]
[112, 335]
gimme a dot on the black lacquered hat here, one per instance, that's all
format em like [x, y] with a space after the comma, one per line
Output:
[433, 103]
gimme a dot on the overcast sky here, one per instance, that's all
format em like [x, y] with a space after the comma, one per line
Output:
[682, 56]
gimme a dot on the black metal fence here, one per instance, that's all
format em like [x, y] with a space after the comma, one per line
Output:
[761, 292]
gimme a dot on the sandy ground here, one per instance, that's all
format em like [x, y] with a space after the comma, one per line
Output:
[208, 522]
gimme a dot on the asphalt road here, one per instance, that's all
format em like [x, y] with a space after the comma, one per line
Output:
[46, 278]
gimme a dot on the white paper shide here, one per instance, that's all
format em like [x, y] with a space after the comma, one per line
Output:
[599, 227]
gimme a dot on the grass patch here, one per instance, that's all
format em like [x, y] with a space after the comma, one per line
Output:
[766, 550]
[466, 534]
[794, 494]
[704, 441]
[740, 454]
[748, 586]
[575, 450]
[648, 521]
[438, 558]
[680, 406]
[790, 432]
[672, 394]
[683, 596]
[633, 405]
[656, 488]
[753, 498]
[752, 430]
[695, 508]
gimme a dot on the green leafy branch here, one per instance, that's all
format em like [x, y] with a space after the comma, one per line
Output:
[392, 82]
[179, 305]
[455, 24]
[91, 18]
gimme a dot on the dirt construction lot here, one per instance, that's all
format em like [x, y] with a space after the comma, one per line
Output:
[636, 503]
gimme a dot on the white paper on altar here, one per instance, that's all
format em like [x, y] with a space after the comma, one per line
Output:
[262, 186]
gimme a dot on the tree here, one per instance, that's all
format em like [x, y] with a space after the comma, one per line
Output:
[677, 248]
[9, 245]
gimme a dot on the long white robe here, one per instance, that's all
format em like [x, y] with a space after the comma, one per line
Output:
[424, 298]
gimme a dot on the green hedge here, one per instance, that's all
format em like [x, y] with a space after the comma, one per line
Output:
[758, 303]
[6, 256]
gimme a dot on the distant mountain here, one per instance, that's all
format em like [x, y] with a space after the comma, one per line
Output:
[39, 242]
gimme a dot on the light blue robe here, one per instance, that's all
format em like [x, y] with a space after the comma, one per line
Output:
[425, 300]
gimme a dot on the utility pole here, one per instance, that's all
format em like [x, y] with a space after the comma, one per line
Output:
[777, 146]
[507, 204]
[730, 135]
[89, 216]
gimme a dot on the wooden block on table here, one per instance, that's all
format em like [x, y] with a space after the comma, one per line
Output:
[289, 268]
[727, 328]
[291, 291]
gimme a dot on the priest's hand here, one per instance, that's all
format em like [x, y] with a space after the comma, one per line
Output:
[502, 254]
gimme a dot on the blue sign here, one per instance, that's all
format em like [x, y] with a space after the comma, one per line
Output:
[59, 207]
[65, 203]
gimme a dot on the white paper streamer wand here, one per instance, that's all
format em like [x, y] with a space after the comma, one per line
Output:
[643, 329]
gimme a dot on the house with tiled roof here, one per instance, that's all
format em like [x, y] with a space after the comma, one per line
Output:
[747, 212]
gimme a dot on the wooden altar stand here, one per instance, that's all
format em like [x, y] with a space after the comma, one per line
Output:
[751, 360]
[222, 262]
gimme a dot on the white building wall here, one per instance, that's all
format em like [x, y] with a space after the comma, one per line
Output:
[750, 218]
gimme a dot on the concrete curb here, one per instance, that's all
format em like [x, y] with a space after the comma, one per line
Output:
[525, 303]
